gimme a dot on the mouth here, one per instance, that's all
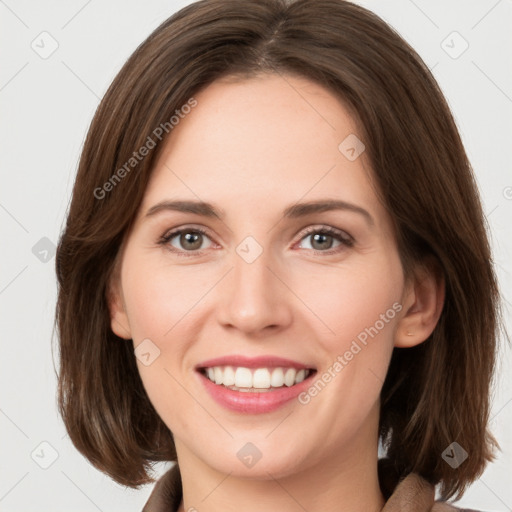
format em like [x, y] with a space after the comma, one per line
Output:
[256, 380]
[254, 385]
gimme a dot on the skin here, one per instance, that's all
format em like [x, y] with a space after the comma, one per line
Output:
[253, 148]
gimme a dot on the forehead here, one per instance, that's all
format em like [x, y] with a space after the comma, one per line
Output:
[270, 114]
[273, 138]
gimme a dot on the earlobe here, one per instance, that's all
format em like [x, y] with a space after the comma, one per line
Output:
[118, 317]
[423, 304]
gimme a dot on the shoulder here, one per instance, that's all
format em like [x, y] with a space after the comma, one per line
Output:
[415, 494]
[167, 493]
[440, 506]
[411, 492]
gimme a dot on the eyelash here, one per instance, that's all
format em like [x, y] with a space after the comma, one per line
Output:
[344, 238]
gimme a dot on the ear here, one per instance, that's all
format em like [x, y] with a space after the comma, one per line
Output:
[423, 303]
[117, 308]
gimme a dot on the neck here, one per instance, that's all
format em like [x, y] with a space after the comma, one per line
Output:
[346, 481]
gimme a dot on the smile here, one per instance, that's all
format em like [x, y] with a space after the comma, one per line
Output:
[255, 379]
[254, 385]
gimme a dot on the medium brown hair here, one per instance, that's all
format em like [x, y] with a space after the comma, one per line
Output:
[435, 393]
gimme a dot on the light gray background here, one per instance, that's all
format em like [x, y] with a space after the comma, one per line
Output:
[46, 107]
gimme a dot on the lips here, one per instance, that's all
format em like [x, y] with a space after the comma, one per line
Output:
[253, 362]
[254, 385]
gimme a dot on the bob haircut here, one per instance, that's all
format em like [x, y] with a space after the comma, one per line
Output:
[435, 393]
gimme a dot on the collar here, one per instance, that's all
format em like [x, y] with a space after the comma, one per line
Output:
[409, 494]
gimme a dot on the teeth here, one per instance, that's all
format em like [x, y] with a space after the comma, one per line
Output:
[259, 378]
[289, 377]
[277, 379]
[229, 376]
[301, 375]
[243, 378]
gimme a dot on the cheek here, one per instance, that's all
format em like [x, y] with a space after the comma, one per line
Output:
[361, 307]
[339, 303]
[356, 310]
[161, 302]
[159, 297]
[352, 301]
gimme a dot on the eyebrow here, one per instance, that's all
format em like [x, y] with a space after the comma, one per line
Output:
[291, 212]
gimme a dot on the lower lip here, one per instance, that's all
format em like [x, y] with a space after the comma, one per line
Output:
[254, 402]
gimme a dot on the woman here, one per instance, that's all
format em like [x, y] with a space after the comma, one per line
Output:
[201, 320]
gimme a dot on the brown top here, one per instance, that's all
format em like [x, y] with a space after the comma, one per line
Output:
[410, 494]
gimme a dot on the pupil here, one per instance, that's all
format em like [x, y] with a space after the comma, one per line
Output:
[321, 237]
[191, 240]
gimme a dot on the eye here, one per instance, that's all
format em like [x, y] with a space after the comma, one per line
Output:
[192, 240]
[323, 239]
[185, 240]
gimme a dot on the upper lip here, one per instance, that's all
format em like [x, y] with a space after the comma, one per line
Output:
[267, 361]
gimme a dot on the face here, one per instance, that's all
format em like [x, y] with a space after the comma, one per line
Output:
[263, 283]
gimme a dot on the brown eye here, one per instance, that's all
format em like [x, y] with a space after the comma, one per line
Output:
[191, 241]
[321, 241]
[186, 240]
[324, 239]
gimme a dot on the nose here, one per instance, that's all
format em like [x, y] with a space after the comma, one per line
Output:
[254, 298]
